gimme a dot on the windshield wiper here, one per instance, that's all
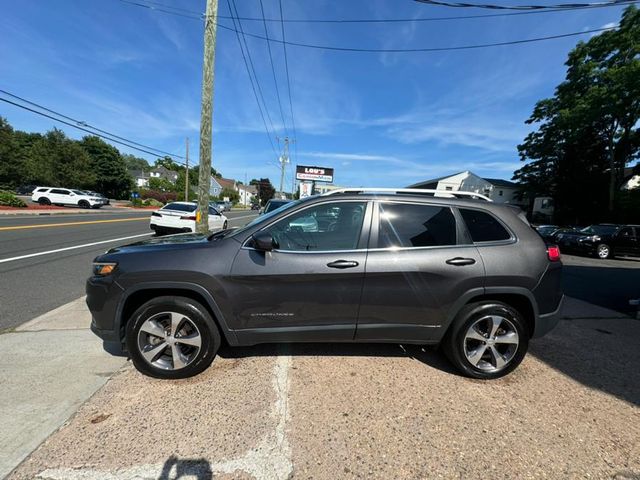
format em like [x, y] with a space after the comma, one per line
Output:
[221, 234]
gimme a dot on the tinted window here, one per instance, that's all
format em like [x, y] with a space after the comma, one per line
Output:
[273, 204]
[333, 226]
[626, 232]
[80, 192]
[600, 229]
[180, 207]
[484, 227]
[42, 190]
[413, 225]
[60, 192]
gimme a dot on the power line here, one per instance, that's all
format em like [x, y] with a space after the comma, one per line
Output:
[255, 93]
[198, 15]
[81, 128]
[85, 124]
[286, 67]
[164, 9]
[273, 70]
[255, 75]
[443, 3]
[425, 49]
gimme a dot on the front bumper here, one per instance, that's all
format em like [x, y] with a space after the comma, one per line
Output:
[103, 296]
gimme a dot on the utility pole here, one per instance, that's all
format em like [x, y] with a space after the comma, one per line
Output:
[206, 115]
[284, 159]
[186, 177]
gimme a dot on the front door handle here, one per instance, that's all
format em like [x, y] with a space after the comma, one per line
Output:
[343, 264]
[460, 261]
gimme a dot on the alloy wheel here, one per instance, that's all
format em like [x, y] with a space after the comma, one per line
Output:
[169, 340]
[491, 342]
[603, 251]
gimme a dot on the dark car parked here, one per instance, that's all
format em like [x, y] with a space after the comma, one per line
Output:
[25, 189]
[603, 240]
[549, 233]
[470, 275]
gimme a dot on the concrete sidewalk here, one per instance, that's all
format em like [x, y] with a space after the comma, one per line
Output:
[48, 368]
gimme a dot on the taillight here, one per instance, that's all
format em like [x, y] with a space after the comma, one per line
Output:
[188, 217]
[553, 252]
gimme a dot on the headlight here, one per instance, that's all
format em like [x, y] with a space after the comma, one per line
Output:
[595, 238]
[102, 269]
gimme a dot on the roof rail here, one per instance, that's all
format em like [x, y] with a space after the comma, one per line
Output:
[433, 192]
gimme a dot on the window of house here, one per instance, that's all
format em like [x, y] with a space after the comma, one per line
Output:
[415, 225]
[483, 227]
[327, 227]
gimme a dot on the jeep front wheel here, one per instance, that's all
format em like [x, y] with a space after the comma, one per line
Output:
[172, 337]
[487, 340]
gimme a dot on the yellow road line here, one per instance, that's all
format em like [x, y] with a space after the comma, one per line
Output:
[23, 227]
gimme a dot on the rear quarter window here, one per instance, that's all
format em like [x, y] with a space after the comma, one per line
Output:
[484, 227]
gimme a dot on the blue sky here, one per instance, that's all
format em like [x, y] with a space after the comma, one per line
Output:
[378, 119]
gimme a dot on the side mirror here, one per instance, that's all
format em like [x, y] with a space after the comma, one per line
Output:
[263, 241]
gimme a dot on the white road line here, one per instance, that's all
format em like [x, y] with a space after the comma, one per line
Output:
[238, 218]
[21, 257]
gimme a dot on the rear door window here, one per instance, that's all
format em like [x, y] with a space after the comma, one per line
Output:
[484, 227]
[405, 225]
[59, 191]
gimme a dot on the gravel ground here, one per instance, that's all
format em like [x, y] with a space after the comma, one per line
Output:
[572, 410]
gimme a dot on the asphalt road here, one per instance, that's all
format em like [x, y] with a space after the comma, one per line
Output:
[34, 285]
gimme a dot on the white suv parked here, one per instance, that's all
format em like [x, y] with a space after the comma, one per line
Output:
[65, 196]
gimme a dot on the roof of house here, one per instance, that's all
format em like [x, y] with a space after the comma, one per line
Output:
[498, 182]
[226, 183]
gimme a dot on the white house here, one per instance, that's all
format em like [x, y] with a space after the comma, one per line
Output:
[498, 190]
[247, 193]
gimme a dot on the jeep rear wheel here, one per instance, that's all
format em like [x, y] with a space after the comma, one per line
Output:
[172, 337]
[487, 340]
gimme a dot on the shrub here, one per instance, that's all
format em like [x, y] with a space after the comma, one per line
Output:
[10, 200]
[163, 197]
[152, 202]
[136, 202]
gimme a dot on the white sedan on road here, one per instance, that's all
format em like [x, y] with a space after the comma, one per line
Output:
[180, 217]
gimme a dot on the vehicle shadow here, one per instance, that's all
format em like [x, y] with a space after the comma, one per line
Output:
[602, 354]
[609, 287]
[429, 355]
[199, 469]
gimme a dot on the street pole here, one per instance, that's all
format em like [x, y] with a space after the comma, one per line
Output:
[186, 178]
[284, 159]
[206, 115]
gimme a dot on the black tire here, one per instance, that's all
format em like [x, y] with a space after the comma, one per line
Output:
[44, 201]
[224, 225]
[195, 313]
[603, 251]
[456, 344]
[84, 204]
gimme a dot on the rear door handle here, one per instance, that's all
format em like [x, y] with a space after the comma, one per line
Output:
[460, 261]
[343, 264]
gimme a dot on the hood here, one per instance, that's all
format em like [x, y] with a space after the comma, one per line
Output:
[169, 242]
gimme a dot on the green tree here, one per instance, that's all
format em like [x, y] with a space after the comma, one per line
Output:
[265, 189]
[588, 131]
[112, 177]
[162, 185]
[11, 165]
[232, 195]
[136, 163]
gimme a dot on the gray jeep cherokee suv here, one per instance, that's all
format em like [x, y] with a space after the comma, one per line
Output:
[353, 266]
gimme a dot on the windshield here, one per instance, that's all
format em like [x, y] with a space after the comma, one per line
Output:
[547, 230]
[80, 192]
[599, 229]
[265, 218]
